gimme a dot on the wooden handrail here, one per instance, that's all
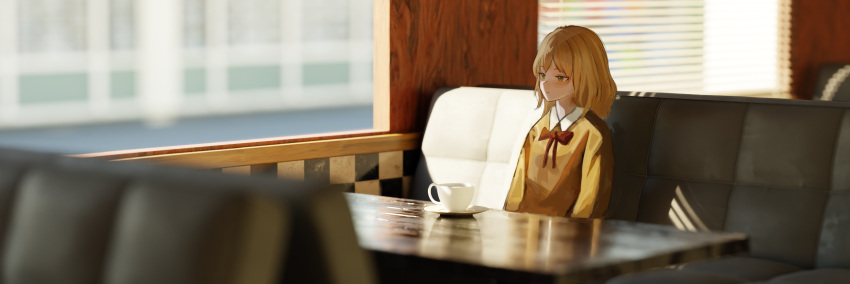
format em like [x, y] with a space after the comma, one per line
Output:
[223, 158]
[146, 152]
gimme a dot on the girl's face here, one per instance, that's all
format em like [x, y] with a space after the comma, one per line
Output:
[555, 85]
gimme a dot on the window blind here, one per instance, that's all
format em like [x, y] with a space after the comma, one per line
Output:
[687, 46]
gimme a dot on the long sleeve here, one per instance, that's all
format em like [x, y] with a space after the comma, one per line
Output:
[517, 188]
[597, 171]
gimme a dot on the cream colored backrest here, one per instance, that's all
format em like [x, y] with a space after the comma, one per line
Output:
[474, 135]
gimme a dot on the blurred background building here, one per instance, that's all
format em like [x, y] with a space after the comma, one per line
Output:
[81, 76]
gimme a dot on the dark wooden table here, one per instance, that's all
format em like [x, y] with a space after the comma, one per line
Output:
[412, 245]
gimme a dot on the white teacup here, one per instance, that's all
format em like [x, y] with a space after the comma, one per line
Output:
[455, 197]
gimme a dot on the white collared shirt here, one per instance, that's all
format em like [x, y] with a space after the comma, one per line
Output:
[565, 122]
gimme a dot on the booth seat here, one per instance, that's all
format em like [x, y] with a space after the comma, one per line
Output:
[777, 170]
[833, 83]
[71, 220]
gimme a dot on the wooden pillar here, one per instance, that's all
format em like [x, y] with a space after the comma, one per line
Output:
[427, 44]
[818, 36]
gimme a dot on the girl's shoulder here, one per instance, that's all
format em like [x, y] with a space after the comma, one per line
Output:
[594, 124]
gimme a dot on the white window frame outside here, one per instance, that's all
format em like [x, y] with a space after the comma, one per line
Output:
[159, 94]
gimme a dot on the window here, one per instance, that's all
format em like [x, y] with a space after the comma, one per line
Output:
[173, 64]
[684, 46]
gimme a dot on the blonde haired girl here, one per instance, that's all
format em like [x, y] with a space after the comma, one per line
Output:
[566, 163]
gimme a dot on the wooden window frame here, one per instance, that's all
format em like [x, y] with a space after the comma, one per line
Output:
[380, 109]
[419, 45]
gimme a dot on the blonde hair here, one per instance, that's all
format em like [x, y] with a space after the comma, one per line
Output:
[582, 51]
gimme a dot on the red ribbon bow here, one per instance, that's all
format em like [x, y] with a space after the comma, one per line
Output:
[562, 137]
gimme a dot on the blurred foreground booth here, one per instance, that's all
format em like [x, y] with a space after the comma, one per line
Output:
[72, 220]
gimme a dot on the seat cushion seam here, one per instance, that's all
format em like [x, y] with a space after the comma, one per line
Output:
[646, 161]
[830, 185]
[835, 149]
[737, 164]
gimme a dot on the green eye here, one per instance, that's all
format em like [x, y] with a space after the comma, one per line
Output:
[542, 76]
[561, 78]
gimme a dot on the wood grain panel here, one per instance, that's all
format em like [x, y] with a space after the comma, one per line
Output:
[454, 43]
[818, 36]
[288, 152]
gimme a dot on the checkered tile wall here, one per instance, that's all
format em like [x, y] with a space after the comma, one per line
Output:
[384, 173]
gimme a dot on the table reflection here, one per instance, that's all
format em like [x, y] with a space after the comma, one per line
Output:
[530, 243]
[494, 238]
[451, 238]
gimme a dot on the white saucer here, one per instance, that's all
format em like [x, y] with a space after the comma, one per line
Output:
[439, 209]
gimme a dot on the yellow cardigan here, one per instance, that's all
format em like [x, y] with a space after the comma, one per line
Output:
[579, 185]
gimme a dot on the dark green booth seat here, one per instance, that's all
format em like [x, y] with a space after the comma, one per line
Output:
[777, 170]
[71, 220]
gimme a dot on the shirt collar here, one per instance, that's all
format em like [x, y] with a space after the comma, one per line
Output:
[565, 122]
